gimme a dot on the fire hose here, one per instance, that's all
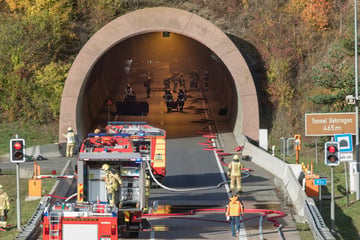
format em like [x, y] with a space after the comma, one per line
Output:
[264, 213]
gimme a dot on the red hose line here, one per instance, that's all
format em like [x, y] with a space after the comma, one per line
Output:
[265, 213]
[51, 195]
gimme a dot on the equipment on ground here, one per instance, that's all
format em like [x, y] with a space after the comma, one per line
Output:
[136, 108]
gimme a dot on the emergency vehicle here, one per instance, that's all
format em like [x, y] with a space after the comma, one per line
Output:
[91, 217]
[149, 141]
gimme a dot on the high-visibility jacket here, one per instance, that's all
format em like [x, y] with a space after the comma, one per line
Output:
[234, 168]
[70, 137]
[112, 181]
[4, 202]
[234, 208]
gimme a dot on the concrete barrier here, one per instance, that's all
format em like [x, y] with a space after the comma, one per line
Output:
[291, 175]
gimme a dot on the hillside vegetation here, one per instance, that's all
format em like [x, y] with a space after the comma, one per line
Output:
[299, 51]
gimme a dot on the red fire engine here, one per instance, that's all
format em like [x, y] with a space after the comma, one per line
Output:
[92, 217]
[149, 141]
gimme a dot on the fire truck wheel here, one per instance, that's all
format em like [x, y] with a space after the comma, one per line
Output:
[134, 235]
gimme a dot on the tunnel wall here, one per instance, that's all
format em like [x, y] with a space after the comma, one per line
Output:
[77, 103]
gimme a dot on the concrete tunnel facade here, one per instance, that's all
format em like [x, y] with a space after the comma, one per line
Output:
[148, 20]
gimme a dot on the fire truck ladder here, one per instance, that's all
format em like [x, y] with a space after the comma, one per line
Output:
[55, 219]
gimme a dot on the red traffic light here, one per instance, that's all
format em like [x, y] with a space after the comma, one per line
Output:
[17, 146]
[332, 149]
[17, 150]
[332, 154]
[53, 172]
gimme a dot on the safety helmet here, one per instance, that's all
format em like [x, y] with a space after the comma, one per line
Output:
[69, 128]
[105, 167]
[236, 157]
[1, 186]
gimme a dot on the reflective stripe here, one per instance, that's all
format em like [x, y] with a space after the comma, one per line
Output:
[127, 216]
[234, 208]
[80, 193]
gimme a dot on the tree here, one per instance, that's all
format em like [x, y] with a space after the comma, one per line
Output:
[334, 79]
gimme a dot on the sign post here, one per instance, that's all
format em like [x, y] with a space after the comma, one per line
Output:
[346, 155]
[320, 182]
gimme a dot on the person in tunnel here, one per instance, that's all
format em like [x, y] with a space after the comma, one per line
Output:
[194, 80]
[182, 81]
[167, 83]
[175, 80]
[169, 99]
[181, 99]
[206, 80]
[130, 95]
[147, 85]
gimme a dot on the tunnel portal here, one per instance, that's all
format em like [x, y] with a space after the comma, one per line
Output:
[121, 53]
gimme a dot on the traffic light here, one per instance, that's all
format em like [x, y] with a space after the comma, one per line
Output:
[17, 150]
[332, 157]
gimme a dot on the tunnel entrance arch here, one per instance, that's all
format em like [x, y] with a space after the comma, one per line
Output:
[160, 19]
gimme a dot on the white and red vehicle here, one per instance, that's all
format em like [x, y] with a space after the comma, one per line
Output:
[149, 141]
[91, 217]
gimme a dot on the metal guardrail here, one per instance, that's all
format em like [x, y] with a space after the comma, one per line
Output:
[317, 225]
[32, 230]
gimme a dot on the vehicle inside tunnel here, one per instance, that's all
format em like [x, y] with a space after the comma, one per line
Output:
[160, 55]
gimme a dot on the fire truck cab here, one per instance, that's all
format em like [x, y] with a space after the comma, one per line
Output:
[149, 141]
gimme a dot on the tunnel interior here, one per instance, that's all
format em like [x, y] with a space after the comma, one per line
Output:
[160, 54]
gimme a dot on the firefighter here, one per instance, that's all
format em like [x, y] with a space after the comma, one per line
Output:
[70, 142]
[175, 80]
[167, 83]
[182, 81]
[130, 95]
[234, 173]
[113, 185]
[234, 212]
[206, 80]
[168, 99]
[147, 84]
[4, 207]
[181, 99]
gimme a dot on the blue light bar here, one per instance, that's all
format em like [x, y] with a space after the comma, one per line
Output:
[141, 133]
[108, 134]
[138, 160]
[127, 123]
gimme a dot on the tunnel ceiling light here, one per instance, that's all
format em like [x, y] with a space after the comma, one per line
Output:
[166, 34]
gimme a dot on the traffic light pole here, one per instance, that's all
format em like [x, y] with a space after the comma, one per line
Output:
[18, 202]
[18, 199]
[332, 204]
